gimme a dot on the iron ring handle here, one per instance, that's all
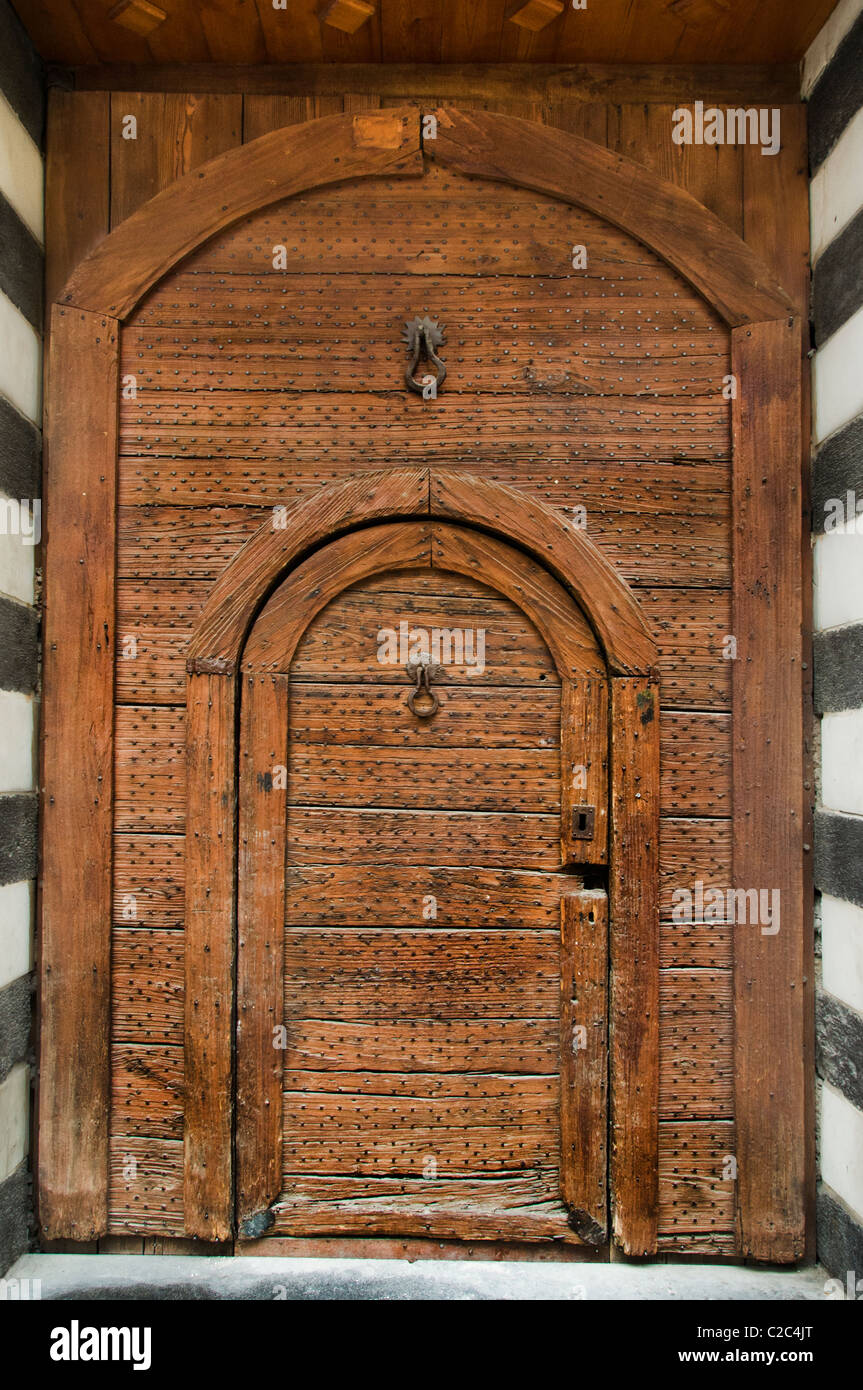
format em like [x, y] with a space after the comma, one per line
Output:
[439, 366]
[412, 702]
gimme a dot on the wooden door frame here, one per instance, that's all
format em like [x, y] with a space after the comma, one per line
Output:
[771, 986]
[212, 707]
[262, 690]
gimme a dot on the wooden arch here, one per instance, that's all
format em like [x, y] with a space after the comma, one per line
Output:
[213, 697]
[77, 741]
[434, 492]
[430, 546]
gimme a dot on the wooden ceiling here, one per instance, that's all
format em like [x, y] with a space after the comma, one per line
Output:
[80, 32]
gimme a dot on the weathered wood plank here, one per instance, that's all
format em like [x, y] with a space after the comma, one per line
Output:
[147, 1091]
[584, 1063]
[696, 1183]
[362, 1135]
[770, 1081]
[472, 715]
[381, 895]
[210, 938]
[565, 83]
[634, 953]
[146, 1185]
[584, 770]
[515, 1207]
[444, 838]
[227, 424]
[696, 1074]
[148, 986]
[491, 779]
[514, 1046]
[77, 196]
[173, 135]
[260, 934]
[76, 776]
[420, 975]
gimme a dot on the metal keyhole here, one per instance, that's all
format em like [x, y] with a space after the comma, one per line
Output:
[422, 701]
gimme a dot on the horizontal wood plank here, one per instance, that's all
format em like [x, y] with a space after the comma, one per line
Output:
[404, 896]
[420, 975]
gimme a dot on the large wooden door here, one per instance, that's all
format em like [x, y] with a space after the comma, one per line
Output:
[422, 965]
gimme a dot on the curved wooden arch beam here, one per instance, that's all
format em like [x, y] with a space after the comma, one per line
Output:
[242, 587]
[411, 545]
[568, 552]
[572, 557]
[667, 219]
[146, 245]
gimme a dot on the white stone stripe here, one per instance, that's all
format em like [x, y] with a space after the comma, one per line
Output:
[836, 192]
[17, 737]
[14, 1119]
[22, 178]
[842, 1147]
[16, 931]
[842, 951]
[20, 361]
[841, 761]
[17, 566]
[823, 47]
[838, 378]
[838, 576]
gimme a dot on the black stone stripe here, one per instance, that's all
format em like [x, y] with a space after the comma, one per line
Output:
[839, 669]
[19, 646]
[837, 286]
[837, 470]
[20, 265]
[21, 74]
[839, 856]
[839, 1047]
[16, 1215]
[20, 454]
[18, 820]
[16, 1017]
[840, 1236]
[837, 95]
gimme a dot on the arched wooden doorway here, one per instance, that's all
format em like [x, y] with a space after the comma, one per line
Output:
[78, 747]
[422, 973]
[606, 657]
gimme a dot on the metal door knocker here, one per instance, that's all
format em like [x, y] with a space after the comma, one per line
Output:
[422, 701]
[422, 337]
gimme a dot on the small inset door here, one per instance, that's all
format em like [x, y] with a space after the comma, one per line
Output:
[422, 943]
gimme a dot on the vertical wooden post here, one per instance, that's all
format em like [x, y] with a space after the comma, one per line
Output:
[584, 747]
[77, 776]
[584, 1063]
[260, 946]
[770, 1051]
[210, 938]
[634, 895]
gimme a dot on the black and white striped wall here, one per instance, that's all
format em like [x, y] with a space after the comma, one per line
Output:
[21, 266]
[833, 86]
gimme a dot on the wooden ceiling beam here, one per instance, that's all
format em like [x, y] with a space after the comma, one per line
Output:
[586, 82]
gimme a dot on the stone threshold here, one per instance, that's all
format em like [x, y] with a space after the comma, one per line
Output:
[260, 1279]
